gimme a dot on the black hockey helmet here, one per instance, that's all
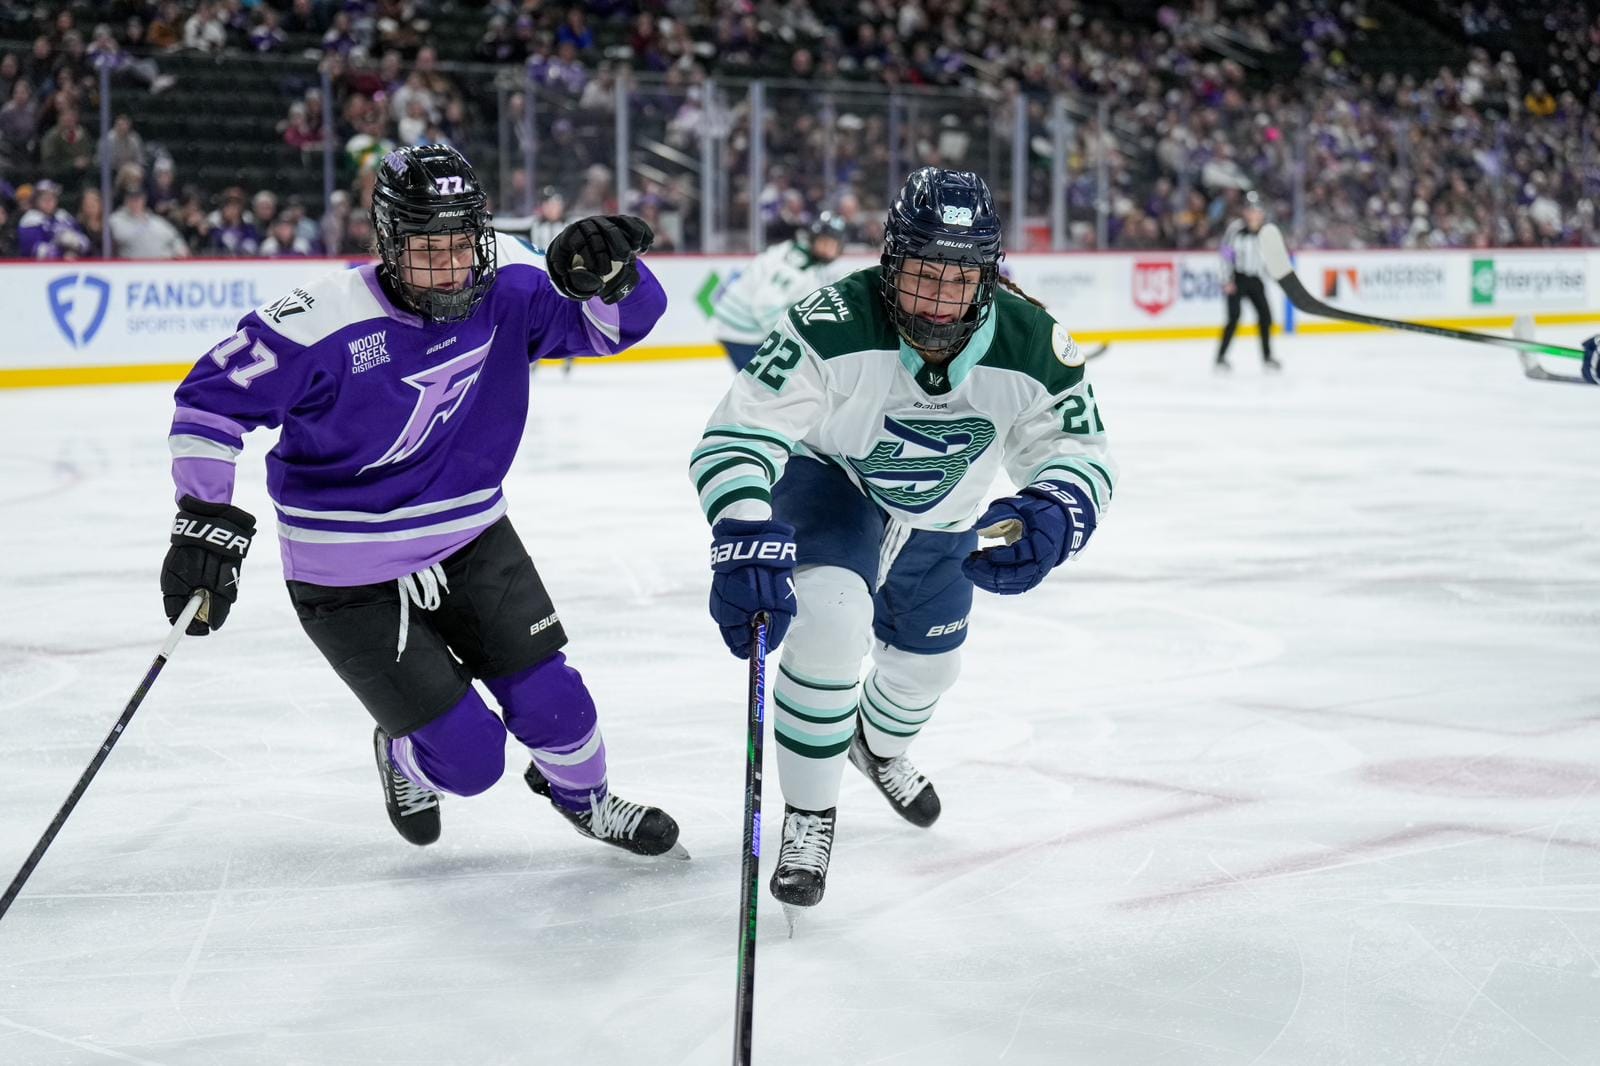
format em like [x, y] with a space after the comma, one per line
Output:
[826, 224]
[429, 190]
[944, 216]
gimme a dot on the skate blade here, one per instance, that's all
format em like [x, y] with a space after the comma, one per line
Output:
[677, 851]
[791, 914]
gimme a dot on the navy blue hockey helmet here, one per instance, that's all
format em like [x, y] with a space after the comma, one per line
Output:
[944, 219]
[431, 191]
[826, 224]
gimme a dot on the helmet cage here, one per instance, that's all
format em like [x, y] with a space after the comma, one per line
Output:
[400, 213]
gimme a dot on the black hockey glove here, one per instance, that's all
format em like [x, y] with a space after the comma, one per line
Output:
[209, 543]
[596, 256]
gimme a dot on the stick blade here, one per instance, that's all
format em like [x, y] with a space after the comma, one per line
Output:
[1274, 252]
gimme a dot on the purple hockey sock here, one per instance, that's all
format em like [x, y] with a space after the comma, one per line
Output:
[549, 709]
[463, 751]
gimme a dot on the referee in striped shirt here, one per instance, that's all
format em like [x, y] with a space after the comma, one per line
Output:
[1241, 277]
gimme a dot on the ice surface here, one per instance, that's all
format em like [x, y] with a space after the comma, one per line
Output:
[1299, 764]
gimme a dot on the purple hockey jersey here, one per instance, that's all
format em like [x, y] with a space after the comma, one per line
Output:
[396, 432]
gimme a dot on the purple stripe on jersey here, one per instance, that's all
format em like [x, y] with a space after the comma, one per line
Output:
[206, 479]
[195, 429]
[609, 314]
[369, 562]
[414, 522]
[193, 416]
[369, 274]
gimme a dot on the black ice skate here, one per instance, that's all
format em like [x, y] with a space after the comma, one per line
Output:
[1269, 363]
[613, 820]
[413, 810]
[801, 875]
[908, 792]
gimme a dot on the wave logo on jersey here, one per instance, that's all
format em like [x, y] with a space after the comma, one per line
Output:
[78, 303]
[441, 390]
[926, 460]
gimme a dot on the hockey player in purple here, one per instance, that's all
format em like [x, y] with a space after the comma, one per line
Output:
[402, 389]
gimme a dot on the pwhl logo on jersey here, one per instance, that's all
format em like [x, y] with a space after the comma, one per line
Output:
[1160, 283]
[78, 303]
[924, 461]
[441, 390]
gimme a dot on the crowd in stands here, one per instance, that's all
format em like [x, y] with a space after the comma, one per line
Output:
[1308, 101]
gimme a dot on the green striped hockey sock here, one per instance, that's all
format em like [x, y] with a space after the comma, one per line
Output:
[813, 721]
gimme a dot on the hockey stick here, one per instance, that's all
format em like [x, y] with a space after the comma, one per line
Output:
[1275, 256]
[750, 867]
[167, 648]
[1097, 351]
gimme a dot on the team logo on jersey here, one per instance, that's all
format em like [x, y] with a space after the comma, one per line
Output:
[297, 302]
[923, 461]
[957, 216]
[369, 351]
[441, 390]
[824, 305]
[78, 303]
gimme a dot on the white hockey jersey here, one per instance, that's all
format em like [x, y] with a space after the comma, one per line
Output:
[751, 305]
[834, 382]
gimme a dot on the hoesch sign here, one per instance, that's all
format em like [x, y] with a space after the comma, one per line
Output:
[1160, 283]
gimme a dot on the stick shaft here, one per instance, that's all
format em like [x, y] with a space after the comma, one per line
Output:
[167, 648]
[750, 866]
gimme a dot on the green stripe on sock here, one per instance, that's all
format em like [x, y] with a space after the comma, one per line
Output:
[873, 705]
[821, 686]
[812, 714]
[810, 751]
[747, 433]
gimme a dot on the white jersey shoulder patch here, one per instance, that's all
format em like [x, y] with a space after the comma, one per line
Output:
[308, 313]
[1065, 348]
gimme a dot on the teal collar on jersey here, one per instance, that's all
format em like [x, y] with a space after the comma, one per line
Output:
[938, 380]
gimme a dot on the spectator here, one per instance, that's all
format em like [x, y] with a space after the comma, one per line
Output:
[232, 233]
[263, 209]
[297, 129]
[357, 239]
[265, 35]
[575, 31]
[92, 219]
[136, 233]
[66, 148]
[204, 31]
[47, 230]
[282, 240]
[8, 236]
[18, 119]
[166, 29]
[122, 144]
[10, 73]
[164, 193]
[107, 54]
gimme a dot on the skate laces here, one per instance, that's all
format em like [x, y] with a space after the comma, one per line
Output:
[409, 796]
[900, 779]
[423, 589]
[807, 839]
[614, 817]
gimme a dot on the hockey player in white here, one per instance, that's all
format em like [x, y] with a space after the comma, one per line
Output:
[845, 476]
[752, 303]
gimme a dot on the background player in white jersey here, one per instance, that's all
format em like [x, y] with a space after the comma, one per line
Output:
[844, 474]
[751, 305]
[402, 567]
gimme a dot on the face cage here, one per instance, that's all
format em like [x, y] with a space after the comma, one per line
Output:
[435, 304]
[929, 336]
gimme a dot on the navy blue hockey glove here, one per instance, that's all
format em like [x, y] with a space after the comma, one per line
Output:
[1044, 525]
[597, 256]
[1591, 360]
[752, 565]
[209, 543]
